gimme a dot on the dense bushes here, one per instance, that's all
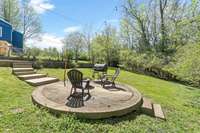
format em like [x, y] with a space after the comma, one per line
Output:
[186, 63]
[131, 59]
[183, 66]
[60, 64]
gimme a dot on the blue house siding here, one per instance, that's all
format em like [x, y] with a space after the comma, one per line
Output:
[6, 31]
[8, 34]
[17, 39]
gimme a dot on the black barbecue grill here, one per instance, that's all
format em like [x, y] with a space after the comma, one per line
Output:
[99, 68]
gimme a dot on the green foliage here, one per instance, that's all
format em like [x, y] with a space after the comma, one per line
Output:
[38, 64]
[46, 53]
[34, 52]
[186, 63]
[84, 56]
[74, 42]
[157, 25]
[106, 47]
[50, 52]
[130, 58]
[11, 12]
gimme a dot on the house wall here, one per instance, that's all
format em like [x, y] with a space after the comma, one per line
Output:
[17, 39]
[11, 36]
[6, 31]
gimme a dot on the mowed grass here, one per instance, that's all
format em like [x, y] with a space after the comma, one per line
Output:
[180, 103]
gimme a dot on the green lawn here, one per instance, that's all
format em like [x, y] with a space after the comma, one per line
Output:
[181, 105]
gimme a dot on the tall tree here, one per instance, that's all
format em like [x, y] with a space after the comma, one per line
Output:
[139, 23]
[75, 42]
[127, 35]
[1, 9]
[163, 5]
[11, 12]
[87, 32]
[105, 46]
[31, 21]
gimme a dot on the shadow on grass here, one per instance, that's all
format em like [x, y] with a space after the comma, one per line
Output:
[113, 120]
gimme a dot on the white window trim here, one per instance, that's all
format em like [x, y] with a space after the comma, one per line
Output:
[1, 31]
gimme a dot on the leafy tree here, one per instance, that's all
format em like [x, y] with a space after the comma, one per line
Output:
[11, 12]
[185, 63]
[74, 42]
[105, 47]
[87, 37]
[137, 18]
[34, 52]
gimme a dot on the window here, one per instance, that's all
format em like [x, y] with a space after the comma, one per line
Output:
[1, 32]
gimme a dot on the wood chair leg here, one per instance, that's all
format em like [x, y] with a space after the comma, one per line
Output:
[83, 97]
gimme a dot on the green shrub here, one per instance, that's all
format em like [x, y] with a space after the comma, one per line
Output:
[129, 59]
[38, 64]
[186, 63]
[83, 56]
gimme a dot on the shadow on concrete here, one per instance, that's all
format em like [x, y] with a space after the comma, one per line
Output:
[76, 100]
[114, 88]
[98, 82]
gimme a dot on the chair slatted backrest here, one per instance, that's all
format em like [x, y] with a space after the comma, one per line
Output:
[75, 78]
[117, 71]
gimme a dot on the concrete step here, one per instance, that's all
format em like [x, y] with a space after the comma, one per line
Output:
[23, 62]
[22, 69]
[24, 73]
[22, 65]
[147, 107]
[158, 113]
[41, 81]
[31, 76]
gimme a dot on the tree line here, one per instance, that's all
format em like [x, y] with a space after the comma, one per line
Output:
[153, 33]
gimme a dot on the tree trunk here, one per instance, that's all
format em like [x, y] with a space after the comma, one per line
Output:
[163, 35]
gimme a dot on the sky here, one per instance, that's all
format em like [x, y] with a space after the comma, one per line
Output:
[62, 17]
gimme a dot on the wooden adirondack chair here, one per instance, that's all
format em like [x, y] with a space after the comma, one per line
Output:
[77, 81]
[110, 79]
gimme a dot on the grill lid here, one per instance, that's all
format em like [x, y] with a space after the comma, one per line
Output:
[100, 67]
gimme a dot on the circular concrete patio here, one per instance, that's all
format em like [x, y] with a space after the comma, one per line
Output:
[101, 103]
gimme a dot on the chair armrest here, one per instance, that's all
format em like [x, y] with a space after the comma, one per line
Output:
[86, 80]
[107, 75]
